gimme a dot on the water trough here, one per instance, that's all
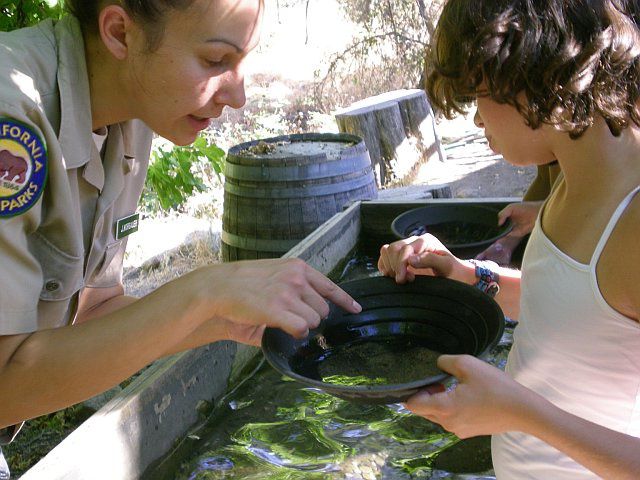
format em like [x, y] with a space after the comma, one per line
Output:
[137, 428]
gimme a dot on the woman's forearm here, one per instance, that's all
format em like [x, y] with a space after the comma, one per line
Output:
[52, 369]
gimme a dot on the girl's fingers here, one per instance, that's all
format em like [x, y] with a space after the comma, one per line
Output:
[505, 213]
[400, 266]
[453, 364]
[427, 404]
[439, 263]
[383, 261]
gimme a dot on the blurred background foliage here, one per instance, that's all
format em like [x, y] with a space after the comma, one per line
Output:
[22, 13]
[176, 173]
[386, 52]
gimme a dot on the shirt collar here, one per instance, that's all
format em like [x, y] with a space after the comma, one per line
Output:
[75, 101]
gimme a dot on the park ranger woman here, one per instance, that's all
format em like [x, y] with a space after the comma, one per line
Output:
[79, 101]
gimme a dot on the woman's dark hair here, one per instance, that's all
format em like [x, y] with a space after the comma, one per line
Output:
[149, 13]
[572, 59]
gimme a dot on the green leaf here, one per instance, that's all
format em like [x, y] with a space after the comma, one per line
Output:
[174, 175]
[18, 14]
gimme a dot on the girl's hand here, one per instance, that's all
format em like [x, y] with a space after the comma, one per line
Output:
[423, 255]
[523, 216]
[501, 250]
[485, 401]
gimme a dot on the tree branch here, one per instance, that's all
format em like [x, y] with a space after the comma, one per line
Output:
[341, 56]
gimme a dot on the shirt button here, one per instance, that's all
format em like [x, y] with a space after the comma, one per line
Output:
[52, 286]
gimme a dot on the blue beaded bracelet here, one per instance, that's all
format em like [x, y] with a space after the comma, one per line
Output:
[487, 277]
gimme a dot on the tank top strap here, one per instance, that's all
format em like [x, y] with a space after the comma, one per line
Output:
[612, 224]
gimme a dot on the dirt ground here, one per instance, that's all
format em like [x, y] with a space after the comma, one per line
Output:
[470, 170]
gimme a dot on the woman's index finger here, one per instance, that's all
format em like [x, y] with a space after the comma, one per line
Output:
[332, 292]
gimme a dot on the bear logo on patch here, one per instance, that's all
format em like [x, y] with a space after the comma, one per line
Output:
[12, 167]
[23, 167]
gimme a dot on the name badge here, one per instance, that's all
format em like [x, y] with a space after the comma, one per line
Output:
[127, 225]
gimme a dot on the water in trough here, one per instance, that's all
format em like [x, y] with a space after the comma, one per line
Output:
[271, 427]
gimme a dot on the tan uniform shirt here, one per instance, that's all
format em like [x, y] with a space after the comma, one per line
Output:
[66, 240]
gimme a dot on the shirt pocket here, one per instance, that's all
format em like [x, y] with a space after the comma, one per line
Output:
[62, 273]
[109, 271]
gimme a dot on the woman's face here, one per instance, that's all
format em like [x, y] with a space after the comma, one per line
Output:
[196, 70]
[509, 135]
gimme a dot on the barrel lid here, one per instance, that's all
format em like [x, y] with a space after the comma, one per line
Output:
[298, 148]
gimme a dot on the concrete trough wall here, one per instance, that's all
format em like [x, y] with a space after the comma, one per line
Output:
[146, 420]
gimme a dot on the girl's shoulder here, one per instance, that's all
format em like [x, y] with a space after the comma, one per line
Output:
[628, 225]
[619, 266]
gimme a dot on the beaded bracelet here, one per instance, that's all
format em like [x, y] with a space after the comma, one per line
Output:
[487, 277]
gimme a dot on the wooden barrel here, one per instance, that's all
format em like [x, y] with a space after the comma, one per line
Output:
[278, 190]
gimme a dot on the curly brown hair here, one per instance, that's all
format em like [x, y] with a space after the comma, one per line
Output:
[572, 59]
[151, 14]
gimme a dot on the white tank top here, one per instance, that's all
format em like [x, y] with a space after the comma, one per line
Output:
[571, 347]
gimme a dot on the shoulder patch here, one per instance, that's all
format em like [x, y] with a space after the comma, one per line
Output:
[23, 167]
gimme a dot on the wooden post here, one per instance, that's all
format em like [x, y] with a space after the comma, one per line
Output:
[398, 129]
[362, 122]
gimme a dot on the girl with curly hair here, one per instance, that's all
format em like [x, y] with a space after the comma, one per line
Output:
[552, 79]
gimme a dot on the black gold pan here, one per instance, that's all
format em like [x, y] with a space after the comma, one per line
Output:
[388, 351]
[465, 229]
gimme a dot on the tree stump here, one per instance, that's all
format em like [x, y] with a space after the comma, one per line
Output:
[399, 131]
